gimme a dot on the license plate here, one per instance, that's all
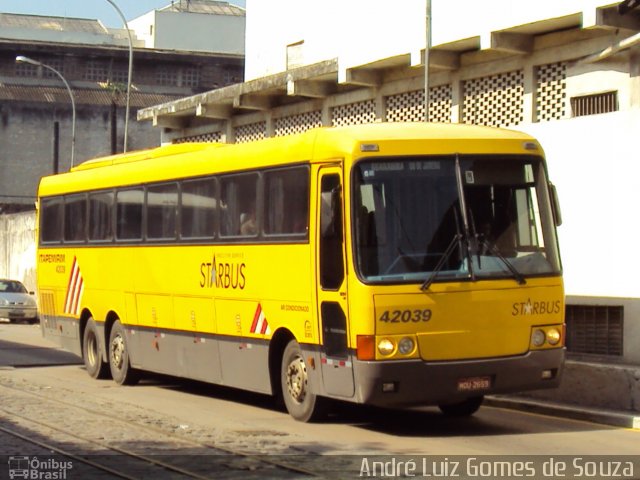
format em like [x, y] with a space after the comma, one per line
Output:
[17, 313]
[473, 384]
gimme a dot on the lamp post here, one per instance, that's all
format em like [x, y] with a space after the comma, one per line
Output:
[126, 118]
[426, 59]
[23, 59]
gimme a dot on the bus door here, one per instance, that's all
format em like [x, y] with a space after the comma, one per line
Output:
[337, 368]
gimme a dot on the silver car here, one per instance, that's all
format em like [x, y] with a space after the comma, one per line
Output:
[16, 303]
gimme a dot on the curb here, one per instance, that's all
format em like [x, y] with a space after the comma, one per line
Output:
[596, 415]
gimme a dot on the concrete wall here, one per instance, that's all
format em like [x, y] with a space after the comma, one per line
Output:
[18, 248]
[26, 136]
[358, 32]
[206, 32]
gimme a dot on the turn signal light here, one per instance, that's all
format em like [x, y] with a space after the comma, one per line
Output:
[366, 347]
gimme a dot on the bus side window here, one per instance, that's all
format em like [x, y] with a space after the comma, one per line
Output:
[51, 220]
[198, 206]
[162, 211]
[331, 258]
[129, 204]
[238, 197]
[75, 215]
[100, 216]
[286, 201]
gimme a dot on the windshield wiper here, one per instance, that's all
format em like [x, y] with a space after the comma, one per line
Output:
[457, 238]
[514, 271]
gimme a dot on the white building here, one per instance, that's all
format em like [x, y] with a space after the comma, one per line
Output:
[565, 71]
[193, 25]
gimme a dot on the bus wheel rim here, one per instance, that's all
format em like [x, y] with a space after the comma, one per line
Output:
[117, 352]
[297, 379]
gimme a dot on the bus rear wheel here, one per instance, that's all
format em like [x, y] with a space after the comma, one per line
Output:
[121, 370]
[465, 408]
[92, 353]
[301, 404]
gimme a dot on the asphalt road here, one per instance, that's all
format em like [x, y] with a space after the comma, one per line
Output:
[30, 368]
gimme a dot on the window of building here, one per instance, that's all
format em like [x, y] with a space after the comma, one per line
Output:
[166, 75]
[55, 63]
[191, 77]
[26, 70]
[96, 71]
[595, 329]
[594, 104]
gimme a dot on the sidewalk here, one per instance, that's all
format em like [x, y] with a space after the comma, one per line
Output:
[596, 392]
[603, 416]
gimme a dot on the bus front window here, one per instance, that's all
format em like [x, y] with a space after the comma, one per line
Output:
[410, 226]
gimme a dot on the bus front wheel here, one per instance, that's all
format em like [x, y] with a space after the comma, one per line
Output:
[91, 352]
[465, 408]
[301, 404]
[119, 364]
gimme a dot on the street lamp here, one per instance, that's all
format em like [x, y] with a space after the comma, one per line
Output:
[23, 59]
[126, 118]
[427, 50]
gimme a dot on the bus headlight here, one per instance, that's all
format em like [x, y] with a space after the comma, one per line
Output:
[386, 346]
[538, 338]
[553, 336]
[406, 346]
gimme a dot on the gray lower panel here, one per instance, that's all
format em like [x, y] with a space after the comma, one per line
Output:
[63, 331]
[208, 358]
[245, 365]
[416, 382]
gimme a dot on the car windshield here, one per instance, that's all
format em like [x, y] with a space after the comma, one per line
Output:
[428, 219]
[12, 286]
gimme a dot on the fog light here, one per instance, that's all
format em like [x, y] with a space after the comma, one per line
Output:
[538, 338]
[406, 346]
[547, 374]
[389, 387]
[386, 346]
[553, 336]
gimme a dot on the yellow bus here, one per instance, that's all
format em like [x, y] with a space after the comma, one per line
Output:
[384, 264]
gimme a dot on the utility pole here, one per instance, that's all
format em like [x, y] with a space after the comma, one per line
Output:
[426, 59]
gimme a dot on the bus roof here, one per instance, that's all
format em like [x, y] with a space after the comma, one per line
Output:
[317, 144]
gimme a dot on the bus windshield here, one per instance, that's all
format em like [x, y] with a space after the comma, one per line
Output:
[426, 219]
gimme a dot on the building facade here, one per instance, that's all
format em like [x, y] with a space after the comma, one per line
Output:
[213, 27]
[570, 79]
[36, 114]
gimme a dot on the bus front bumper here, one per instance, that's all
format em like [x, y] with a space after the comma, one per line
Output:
[416, 382]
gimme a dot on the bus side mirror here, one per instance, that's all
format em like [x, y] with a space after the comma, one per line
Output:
[555, 204]
[330, 213]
